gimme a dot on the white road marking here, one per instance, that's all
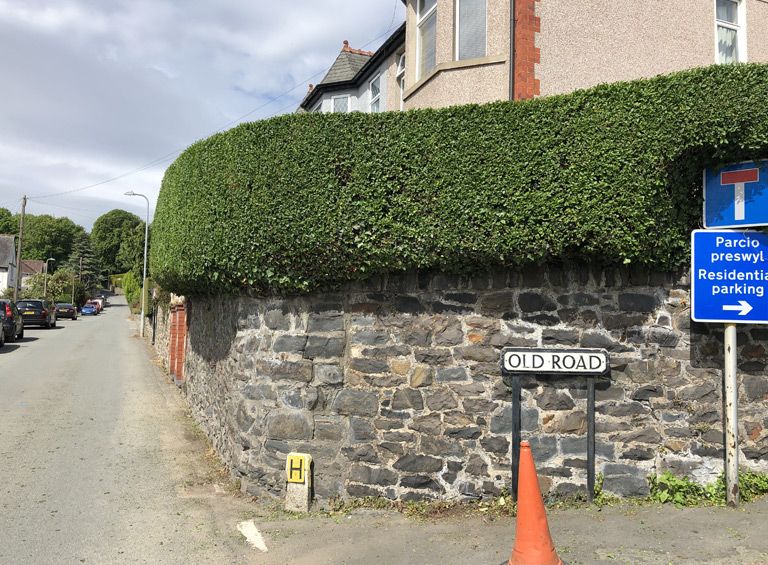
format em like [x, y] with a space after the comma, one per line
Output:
[252, 535]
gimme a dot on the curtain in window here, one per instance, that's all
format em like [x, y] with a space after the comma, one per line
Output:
[472, 29]
[727, 47]
[427, 44]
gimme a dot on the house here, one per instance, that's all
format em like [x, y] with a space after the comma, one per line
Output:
[361, 81]
[462, 51]
[7, 262]
[30, 268]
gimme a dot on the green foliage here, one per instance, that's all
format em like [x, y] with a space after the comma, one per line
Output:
[130, 256]
[46, 236]
[107, 234]
[132, 289]
[611, 175]
[682, 491]
[8, 224]
[83, 261]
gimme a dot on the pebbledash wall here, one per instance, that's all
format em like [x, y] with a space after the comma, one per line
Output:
[393, 385]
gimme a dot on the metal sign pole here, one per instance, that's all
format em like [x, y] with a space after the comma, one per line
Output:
[590, 439]
[516, 434]
[731, 418]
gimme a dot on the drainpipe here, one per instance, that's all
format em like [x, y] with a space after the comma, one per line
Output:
[511, 49]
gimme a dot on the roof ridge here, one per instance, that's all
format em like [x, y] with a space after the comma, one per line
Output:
[348, 49]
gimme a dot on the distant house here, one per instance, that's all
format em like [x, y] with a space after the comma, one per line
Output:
[361, 81]
[7, 262]
[452, 52]
[30, 268]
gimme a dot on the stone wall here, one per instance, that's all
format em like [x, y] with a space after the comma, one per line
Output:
[161, 331]
[394, 386]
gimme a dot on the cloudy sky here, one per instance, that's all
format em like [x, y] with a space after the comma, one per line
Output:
[105, 94]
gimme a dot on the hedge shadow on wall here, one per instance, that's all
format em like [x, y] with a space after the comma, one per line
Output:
[610, 175]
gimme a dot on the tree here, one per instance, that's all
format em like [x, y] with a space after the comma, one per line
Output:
[82, 261]
[130, 257]
[8, 224]
[58, 287]
[107, 234]
[46, 236]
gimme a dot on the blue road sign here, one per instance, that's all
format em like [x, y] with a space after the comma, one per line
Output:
[736, 195]
[729, 277]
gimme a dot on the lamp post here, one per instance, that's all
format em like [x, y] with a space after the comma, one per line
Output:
[144, 278]
[45, 278]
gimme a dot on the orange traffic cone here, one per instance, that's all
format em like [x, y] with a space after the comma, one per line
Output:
[533, 544]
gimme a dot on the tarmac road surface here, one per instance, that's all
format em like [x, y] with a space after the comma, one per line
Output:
[98, 462]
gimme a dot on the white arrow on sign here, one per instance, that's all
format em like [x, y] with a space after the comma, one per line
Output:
[743, 308]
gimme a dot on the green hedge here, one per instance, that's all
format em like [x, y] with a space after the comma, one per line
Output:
[611, 174]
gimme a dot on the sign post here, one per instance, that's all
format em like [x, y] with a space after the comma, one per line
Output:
[729, 284]
[517, 362]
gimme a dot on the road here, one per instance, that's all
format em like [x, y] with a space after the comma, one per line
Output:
[98, 460]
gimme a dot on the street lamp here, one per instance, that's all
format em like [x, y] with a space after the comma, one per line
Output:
[144, 279]
[45, 277]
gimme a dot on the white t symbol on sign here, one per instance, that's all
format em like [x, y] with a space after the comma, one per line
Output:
[738, 179]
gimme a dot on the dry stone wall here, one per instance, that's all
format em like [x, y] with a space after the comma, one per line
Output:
[393, 385]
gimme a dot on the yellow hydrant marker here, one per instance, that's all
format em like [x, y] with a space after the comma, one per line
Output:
[298, 476]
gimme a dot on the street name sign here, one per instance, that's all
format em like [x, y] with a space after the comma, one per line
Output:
[729, 277]
[520, 360]
[736, 196]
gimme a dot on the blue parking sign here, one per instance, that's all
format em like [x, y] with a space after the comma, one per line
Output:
[729, 277]
[736, 195]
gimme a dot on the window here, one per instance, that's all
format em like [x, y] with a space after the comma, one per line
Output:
[400, 76]
[729, 31]
[470, 29]
[340, 104]
[426, 36]
[375, 88]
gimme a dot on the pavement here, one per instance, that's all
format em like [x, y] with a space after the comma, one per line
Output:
[101, 463]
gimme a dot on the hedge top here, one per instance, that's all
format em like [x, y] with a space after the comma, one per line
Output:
[611, 174]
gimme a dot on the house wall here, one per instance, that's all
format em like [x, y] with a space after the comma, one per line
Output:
[393, 384]
[757, 24]
[459, 82]
[583, 44]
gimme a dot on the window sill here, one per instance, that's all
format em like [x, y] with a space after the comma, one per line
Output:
[453, 65]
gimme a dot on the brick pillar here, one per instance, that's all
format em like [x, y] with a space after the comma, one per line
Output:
[181, 342]
[527, 25]
[172, 342]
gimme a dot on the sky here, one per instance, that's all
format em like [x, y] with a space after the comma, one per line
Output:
[97, 98]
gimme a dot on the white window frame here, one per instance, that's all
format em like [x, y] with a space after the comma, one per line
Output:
[420, 18]
[374, 98]
[400, 78]
[333, 103]
[458, 27]
[740, 28]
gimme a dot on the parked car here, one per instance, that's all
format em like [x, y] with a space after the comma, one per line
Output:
[37, 312]
[66, 310]
[13, 323]
[95, 305]
[100, 303]
[89, 310]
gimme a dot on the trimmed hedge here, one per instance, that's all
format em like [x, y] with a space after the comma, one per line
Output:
[611, 174]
